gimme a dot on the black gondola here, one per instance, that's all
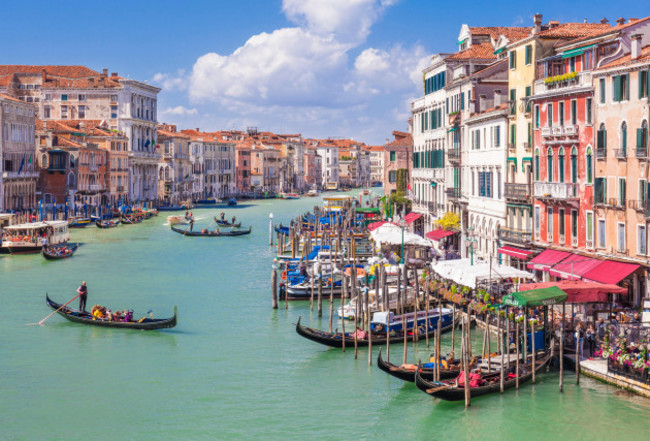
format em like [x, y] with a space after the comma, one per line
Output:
[86, 319]
[448, 390]
[187, 232]
[225, 223]
[335, 340]
[107, 223]
[57, 252]
[406, 374]
[128, 220]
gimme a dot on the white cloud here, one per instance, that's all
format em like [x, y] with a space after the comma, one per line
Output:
[171, 82]
[179, 111]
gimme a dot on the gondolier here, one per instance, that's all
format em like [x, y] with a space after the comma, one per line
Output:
[83, 296]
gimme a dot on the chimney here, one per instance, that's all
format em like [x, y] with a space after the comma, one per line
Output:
[197, 129]
[620, 21]
[113, 74]
[553, 24]
[537, 20]
[497, 98]
[43, 76]
[604, 20]
[103, 74]
[636, 46]
[481, 103]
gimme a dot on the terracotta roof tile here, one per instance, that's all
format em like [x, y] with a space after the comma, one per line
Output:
[627, 59]
[482, 51]
[574, 30]
[511, 33]
[11, 98]
[605, 31]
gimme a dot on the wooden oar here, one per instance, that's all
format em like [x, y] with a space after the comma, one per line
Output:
[63, 306]
[436, 389]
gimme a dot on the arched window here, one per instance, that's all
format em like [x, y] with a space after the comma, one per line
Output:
[601, 141]
[623, 139]
[549, 164]
[642, 140]
[589, 165]
[574, 164]
[71, 180]
[537, 164]
[560, 167]
[44, 163]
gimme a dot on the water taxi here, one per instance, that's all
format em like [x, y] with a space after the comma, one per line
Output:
[30, 238]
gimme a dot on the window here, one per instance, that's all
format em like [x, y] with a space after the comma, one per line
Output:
[602, 243]
[513, 135]
[560, 166]
[621, 89]
[574, 112]
[560, 222]
[574, 165]
[82, 97]
[600, 190]
[624, 139]
[529, 55]
[113, 112]
[601, 141]
[392, 156]
[537, 220]
[114, 98]
[603, 90]
[497, 136]
[620, 237]
[513, 59]
[82, 112]
[643, 193]
[572, 64]
[549, 115]
[47, 112]
[621, 192]
[589, 119]
[537, 117]
[47, 97]
[574, 223]
[537, 165]
[642, 140]
[560, 115]
[64, 97]
[513, 101]
[549, 223]
[549, 164]
[641, 241]
[644, 84]
[64, 112]
[590, 228]
[528, 93]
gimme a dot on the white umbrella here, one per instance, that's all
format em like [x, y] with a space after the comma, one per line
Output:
[392, 235]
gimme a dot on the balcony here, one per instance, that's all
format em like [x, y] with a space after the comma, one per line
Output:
[453, 193]
[574, 241]
[620, 153]
[519, 237]
[555, 83]
[453, 155]
[561, 239]
[517, 192]
[601, 152]
[168, 155]
[119, 188]
[546, 132]
[571, 130]
[527, 146]
[557, 130]
[559, 191]
[616, 203]
[454, 119]
[641, 152]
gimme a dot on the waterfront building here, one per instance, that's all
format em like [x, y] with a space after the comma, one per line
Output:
[376, 158]
[523, 56]
[397, 159]
[77, 92]
[243, 167]
[18, 175]
[313, 168]
[292, 150]
[174, 171]
[329, 152]
[620, 183]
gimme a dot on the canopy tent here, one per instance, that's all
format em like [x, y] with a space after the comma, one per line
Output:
[580, 292]
[610, 271]
[368, 210]
[412, 217]
[439, 234]
[461, 271]
[519, 253]
[393, 235]
[535, 297]
[574, 267]
[545, 260]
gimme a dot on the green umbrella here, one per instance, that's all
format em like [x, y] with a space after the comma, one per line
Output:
[536, 297]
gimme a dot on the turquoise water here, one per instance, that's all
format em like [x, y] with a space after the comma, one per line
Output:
[233, 368]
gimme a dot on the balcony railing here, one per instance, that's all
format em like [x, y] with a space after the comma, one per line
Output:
[641, 152]
[557, 130]
[546, 132]
[517, 192]
[561, 239]
[582, 79]
[574, 241]
[571, 130]
[620, 153]
[119, 188]
[601, 152]
[520, 237]
[616, 203]
[453, 155]
[556, 190]
[453, 193]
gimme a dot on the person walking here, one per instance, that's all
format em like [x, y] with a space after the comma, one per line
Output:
[83, 296]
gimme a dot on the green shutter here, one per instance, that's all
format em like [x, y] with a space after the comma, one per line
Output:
[641, 83]
[639, 138]
[617, 88]
[627, 87]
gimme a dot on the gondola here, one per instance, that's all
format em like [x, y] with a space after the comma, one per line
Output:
[79, 223]
[449, 391]
[107, 223]
[225, 223]
[334, 340]
[407, 374]
[144, 323]
[59, 251]
[131, 220]
[187, 232]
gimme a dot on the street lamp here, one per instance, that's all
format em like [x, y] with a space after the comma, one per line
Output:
[402, 225]
[471, 241]
[271, 229]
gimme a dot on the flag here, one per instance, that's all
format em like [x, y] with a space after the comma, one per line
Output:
[146, 144]
[408, 187]
[22, 164]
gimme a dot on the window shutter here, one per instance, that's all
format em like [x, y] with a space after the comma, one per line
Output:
[639, 138]
[627, 87]
[617, 88]
[641, 84]
[462, 101]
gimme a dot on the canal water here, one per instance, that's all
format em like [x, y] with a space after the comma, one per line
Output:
[233, 368]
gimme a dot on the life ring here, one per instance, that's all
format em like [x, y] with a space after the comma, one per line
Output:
[284, 275]
[360, 272]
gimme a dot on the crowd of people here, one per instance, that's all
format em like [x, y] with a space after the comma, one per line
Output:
[101, 313]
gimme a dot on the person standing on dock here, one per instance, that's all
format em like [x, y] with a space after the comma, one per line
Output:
[83, 296]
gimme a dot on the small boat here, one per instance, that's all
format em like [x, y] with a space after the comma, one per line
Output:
[172, 208]
[107, 223]
[131, 219]
[335, 339]
[187, 232]
[59, 251]
[487, 383]
[407, 372]
[288, 196]
[225, 223]
[232, 202]
[85, 318]
[312, 193]
[177, 220]
[365, 192]
[78, 222]
[33, 236]
[385, 319]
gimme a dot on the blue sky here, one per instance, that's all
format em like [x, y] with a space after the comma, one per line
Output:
[346, 68]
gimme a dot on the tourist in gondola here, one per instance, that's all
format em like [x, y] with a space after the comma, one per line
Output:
[223, 216]
[233, 220]
[192, 224]
[83, 296]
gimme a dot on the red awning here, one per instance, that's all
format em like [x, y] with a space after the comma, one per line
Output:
[519, 253]
[373, 226]
[610, 271]
[580, 292]
[574, 267]
[547, 259]
[412, 217]
[438, 234]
